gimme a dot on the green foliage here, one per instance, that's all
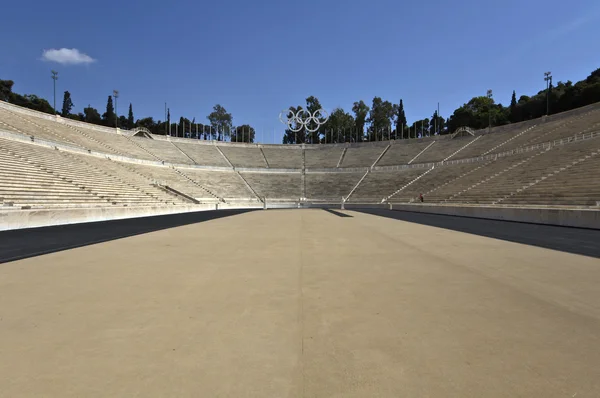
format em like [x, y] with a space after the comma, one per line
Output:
[342, 126]
[303, 135]
[401, 123]
[109, 116]
[380, 120]
[147, 122]
[243, 133]
[361, 112]
[6, 90]
[436, 125]
[221, 122]
[130, 120]
[67, 104]
[339, 127]
[91, 115]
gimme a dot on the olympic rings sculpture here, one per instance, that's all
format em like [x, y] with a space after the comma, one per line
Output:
[301, 119]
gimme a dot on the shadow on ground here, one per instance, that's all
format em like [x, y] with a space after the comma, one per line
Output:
[566, 239]
[337, 213]
[23, 243]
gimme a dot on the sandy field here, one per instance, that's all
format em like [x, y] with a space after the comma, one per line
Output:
[301, 303]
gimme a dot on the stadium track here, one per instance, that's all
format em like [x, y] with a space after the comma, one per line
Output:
[24, 243]
[29, 242]
[571, 240]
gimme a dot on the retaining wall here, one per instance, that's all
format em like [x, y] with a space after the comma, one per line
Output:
[582, 218]
[17, 219]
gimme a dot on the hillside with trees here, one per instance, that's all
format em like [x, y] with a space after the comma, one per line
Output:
[381, 120]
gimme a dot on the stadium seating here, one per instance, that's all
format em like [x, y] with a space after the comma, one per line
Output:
[283, 158]
[431, 179]
[242, 156]
[445, 148]
[25, 184]
[163, 150]
[86, 173]
[378, 185]
[206, 155]
[227, 185]
[403, 153]
[330, 186]
[275, 185]
[362, 156]
[323, 156]
[100, 166]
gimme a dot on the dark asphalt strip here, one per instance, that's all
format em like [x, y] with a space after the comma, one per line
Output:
[567, 239]
[23, 243]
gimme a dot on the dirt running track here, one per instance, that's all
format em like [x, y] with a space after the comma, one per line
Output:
[301, 303]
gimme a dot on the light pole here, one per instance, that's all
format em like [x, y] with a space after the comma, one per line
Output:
[116, 95]
[489, 95]
[548, 79]
[55, 78]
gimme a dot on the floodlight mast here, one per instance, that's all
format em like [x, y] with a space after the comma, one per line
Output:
[55, 78]
[548, 79]
[116, 95]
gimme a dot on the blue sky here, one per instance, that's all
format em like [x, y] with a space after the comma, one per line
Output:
[257, 58]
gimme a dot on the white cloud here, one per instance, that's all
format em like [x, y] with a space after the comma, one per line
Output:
[67, 56]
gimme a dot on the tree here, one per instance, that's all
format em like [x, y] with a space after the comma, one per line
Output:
[338, 127]
[147, 122]
[168, 121]
[361, 111]
[380, 120]
[67, 104]
[514, 116]
[302, 133]
[80, 117]
[295, 133]
[401, 123]
[182, 127]
[436, 122]
[313, 105]
[243, 133]
[91, 115]
[220, 121]
[109, 115]
[6, 90]
[123, 122]
[130, 119]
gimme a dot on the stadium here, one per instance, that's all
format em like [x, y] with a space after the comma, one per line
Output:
[325, 199]
[308, 299]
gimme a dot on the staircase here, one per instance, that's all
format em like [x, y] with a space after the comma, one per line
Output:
[407, 185]
[419, 154]
[484, 181]
[180, 194]
[341, 158]
[113, 176]
[144, 149]
[225, 157]
[47, 130]
[460, 149]
[356, 186]
[455, 179]
[549, 175]
[199, 185]
[264, 157]
[250, 188]
[509, 140]
[180, 150]
[89, 137]
[380, 156]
